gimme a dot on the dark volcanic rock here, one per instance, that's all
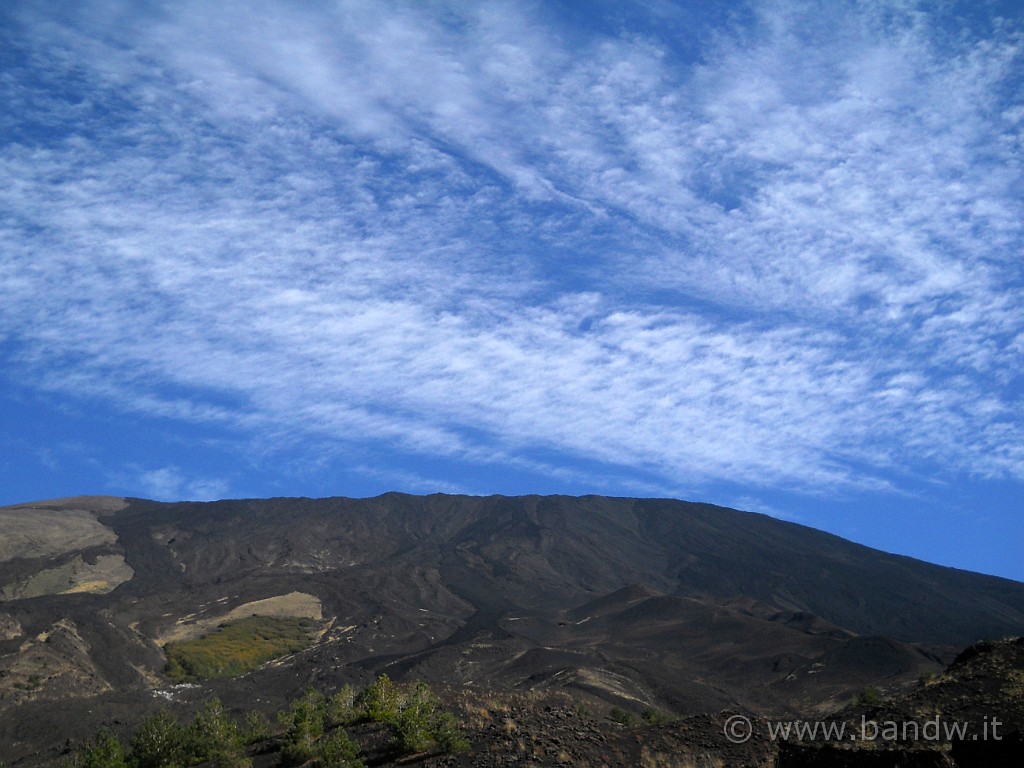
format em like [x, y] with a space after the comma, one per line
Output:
[976, 708]
[686, 607]
[830, 756]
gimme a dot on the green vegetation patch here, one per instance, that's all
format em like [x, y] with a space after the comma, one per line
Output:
[237, 648]
[311, 733]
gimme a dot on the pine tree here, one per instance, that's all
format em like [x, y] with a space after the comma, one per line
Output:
[104, 752]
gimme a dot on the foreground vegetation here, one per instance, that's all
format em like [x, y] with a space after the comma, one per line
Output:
[311, 732]
[236, 648]
[649, 716]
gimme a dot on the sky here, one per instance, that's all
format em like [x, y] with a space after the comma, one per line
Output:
[768, 255]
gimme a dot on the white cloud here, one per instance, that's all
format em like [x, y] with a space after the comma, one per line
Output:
[464, 235]
[171, 484]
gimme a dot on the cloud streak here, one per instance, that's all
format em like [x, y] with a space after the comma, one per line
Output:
[467, 233]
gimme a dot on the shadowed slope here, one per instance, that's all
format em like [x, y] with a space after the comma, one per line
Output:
[638, 602]
[541, 551]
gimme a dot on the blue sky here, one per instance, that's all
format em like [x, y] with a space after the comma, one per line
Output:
[767, 255]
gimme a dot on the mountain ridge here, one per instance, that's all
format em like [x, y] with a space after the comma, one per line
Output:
[751, 533]
[678, 605]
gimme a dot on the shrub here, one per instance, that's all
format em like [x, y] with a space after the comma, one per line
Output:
[216, 739]
[338, 751]
[412, 723]
[105, 751]
[341, 707]
[653, 716]
[160, 742]
[257, 727]
[312, 732]
[304, 725]
[623, 717]
[415, 720]
[447, 734]
[869, 697]
[306, 722]
[380, 701]
[297, 753]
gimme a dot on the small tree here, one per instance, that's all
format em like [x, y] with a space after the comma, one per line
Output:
[104, 752]
[257, 727]
[215, 738]
[447, 734]
[412, 724]
[160, 742]
[420, 725]
[341, 707]
[338, 751]
[304, 725]
[380, 701]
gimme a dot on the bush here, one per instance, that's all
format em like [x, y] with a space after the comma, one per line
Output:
[448, 734]
[312, 732]
[160, 742]
[297, 753]
[257, 727]
[338, 751]
[104, 752]
[869, 697]
[304, 725]
[653, 716]
[341, 707]
[412, 723]
[216, 739]
[380, 701]
[415, 720]
[623, 717]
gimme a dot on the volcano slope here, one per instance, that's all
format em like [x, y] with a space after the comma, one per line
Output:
[634, 603]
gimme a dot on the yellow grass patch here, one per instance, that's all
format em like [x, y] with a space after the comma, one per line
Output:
[74, 577]
[294, 605]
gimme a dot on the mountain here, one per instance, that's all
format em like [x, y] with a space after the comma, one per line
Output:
[970, 715]
[689, 608]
